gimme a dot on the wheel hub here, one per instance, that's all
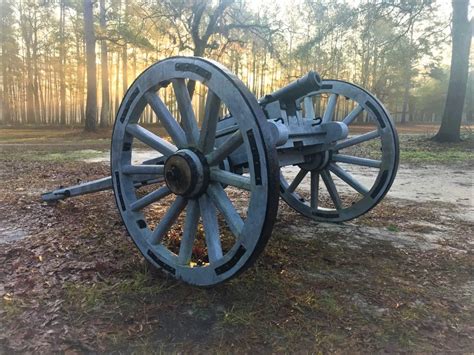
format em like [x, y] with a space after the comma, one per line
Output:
[186, 173]
[317, 162]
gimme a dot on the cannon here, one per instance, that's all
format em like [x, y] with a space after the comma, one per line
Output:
[202, 204]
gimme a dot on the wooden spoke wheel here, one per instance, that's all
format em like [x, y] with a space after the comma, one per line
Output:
[352, 176]
[197, 221]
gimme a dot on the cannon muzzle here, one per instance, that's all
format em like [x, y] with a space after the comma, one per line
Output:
[296, 89]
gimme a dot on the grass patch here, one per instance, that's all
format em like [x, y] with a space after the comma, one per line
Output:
[11, 306]
[97, 296]
[440, 156]
[331, 306]
[392, 228]
[238, 316]
[421, 149]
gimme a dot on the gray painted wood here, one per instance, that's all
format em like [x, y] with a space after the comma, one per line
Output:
[243, 152]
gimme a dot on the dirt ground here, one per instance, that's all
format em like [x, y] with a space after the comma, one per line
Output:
[398, 279]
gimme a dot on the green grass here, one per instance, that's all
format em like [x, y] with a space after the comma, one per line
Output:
[238, 316]
[441, 156]
[94, 297]
[421, 149]
[393, 228]
[11, 306]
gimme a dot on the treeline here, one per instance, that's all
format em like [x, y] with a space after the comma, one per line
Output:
[393, 48]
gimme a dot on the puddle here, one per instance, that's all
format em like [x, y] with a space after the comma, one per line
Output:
[10, 234]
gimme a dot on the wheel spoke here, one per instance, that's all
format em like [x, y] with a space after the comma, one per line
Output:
[143, 169]
[227, 130]
[330, 108]
[314, 190]
[189, 232]
[350, 183]
[150, 198]
[297, 180]
[143, 180]
[166, 119]
[168, 219]
[349, 159]
[186, 109]
[225, 206]
[357, 140]
[348, 178]
[211, 228]
[329, 182]
[209, 124]
[228, 178]
[151, 139]
[153, 161]
[353, 115]
[308, 107]
[223, 151]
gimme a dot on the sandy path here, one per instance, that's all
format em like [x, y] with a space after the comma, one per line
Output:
[413, 182]
[422, 183]
[419, 183]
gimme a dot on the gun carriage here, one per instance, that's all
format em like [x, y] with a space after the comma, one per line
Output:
[242, 149]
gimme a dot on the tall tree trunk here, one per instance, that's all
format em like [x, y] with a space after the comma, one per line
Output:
[49, 89]
[30, 105]
[91, 100]
[134, 65]
[408, 76]
[62, 60]
[29, 86]
[27, 34]
[199, 49]
[80, 78]
[124, 69]
[462, 28]
[36, 86]
[6, 113]
[470, 99]
[406, 97]
[125, 53]
[117, 83]
[104, 112]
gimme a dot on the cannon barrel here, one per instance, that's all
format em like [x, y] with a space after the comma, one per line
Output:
[298, 88]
